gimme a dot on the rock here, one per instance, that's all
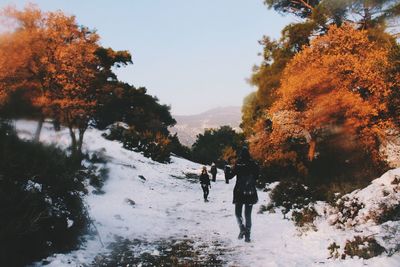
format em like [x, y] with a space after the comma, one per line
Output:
[130, 202]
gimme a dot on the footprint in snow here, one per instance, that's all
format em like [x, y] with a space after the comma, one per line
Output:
[118, 217]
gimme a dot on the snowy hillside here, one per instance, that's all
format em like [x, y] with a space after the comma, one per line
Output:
[146, 203]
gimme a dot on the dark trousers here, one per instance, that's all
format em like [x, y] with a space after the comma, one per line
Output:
[214, 177]
[205, 190]
[247, 215]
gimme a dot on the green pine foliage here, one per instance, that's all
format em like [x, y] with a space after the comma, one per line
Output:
[210, 145]
[290, 195]
[40, 201]
[146, 122]
[133, 106]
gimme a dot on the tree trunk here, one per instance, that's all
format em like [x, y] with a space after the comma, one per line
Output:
[74, 144]
[39, 127]
[80, 140]
[311, 149]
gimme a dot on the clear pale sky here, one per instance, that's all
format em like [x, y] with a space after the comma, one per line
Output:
[192, 54]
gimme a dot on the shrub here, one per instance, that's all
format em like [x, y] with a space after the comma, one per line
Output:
[334, 250]
[40, 201]
[347, 210]
[156, 146]
[179, 149]
[341, 157]
[332, 191]
[262, 209]
[388, 213]
[291, 195]
[96, 175]
[363, 247]
[115, 132]
[305, 217]
[337, 158]
[389, 236]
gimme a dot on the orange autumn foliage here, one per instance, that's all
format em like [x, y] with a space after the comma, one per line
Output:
[229, 155]
[50, 52]
[337, 85]
[71, 69]
[17, 50]
[52, 56]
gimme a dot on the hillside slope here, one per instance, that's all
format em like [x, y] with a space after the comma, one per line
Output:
[189, 126]
[169, 208]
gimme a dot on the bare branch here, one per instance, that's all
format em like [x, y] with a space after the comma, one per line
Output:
[304, 3]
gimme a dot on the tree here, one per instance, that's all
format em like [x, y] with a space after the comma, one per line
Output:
[250, 113]
[394, 96]
[316, 17]
[17, 51]
[145, 121]
[301, 8]
[229, 155]
[336, 86]
[209, 147]
[60, 63]
[71, 97]
[266, 78]
[365, 13]
[122, 102]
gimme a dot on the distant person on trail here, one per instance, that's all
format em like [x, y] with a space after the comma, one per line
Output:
[245, 193]
[227, 170]
[213, 171]
[205, 182]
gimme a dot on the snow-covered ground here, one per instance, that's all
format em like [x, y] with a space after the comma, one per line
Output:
[168, 206]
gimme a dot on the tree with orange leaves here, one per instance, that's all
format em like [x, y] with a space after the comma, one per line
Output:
[71, 69]
[55, 58]
[336, 86]
[19, 50]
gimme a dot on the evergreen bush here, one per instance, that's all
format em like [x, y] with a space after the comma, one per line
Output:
[291, 195]
[40, 201]
[363, 247]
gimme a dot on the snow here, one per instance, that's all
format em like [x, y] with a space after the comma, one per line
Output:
[381, 191]
[167, 205]
[70, 223]
[32, 186]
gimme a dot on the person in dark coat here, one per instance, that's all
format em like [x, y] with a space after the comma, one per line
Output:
[244, 193]
[205, 183]
[213, 172]
[227, 171]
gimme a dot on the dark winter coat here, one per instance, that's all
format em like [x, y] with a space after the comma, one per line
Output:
[213, 170]
[246, 172]
[205, 178]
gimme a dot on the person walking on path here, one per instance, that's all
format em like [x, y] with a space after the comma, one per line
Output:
[205, 183]
[213, 172]
[244, 193]
[227, 170]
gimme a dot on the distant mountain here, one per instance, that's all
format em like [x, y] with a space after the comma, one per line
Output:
[189, 126]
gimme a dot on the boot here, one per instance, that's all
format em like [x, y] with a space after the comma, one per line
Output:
[247, 236]
[242, 232]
